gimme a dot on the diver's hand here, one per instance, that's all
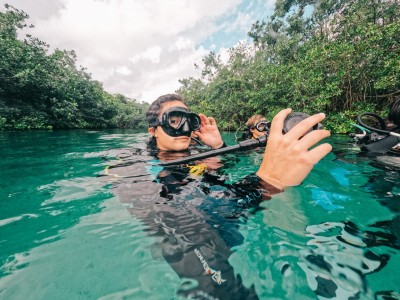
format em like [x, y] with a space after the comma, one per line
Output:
[209, 133]
[287, 159]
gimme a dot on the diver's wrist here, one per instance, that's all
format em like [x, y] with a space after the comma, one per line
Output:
[221, 145]
[271, 181]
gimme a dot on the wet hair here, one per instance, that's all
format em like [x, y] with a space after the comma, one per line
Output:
[152, 115]
[252, 122]
[394, 113]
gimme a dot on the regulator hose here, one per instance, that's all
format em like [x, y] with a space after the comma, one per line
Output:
[381, 123]
[377, 117]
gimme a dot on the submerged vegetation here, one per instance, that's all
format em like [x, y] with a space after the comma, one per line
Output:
[341, 57]
[39, 90]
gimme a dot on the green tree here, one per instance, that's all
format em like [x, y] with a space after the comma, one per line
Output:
[340, 57]
[45, 90]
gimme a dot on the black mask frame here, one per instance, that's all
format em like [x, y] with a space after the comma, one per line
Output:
[263, 126]
[185, 122]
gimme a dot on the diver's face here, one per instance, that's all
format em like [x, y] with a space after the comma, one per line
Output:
[165, 141]
[260, 129]
[256, 133]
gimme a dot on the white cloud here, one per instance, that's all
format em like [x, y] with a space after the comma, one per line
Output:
[137, 48]
[243, 20]
[151, 54]
[182, 43]
[124, 70]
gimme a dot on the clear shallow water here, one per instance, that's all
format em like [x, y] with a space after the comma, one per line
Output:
[66, 232]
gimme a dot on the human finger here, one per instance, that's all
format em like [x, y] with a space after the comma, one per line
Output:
[212, 121]
[278, 121]
[204, 120]
[317, 153]
[199, 135]
[310, 139]
[305, 125]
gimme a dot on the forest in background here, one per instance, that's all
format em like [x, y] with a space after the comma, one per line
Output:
[341, 57]
[39, 90]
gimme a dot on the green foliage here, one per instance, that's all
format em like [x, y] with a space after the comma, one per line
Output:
[31, 122]
[342, 59]
[42, 90]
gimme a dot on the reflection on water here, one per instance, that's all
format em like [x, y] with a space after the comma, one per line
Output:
[338, 260]
[75, 222]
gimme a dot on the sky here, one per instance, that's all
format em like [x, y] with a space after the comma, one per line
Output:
[141, 48]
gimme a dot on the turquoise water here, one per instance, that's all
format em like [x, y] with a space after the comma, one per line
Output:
[67, 231]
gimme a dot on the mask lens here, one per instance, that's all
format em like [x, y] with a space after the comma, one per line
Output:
[194, 121]
[176, 119]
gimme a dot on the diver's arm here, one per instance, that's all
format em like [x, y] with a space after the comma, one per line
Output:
[251, 190]
[267, 189]
[287, 159]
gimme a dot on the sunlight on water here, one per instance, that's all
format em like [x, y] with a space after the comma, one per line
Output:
[68, 231]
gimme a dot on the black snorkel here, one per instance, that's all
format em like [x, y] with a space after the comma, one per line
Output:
[290, 121]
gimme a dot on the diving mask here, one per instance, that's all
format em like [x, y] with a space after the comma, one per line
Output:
[177, 121]
[263, 126]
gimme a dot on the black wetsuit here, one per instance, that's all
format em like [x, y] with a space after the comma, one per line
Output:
[194, 219]
[246, 135]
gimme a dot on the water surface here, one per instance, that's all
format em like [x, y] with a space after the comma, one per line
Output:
[66, 231]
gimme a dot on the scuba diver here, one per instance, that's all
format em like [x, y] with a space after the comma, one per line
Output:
[380, 137]
[189, 209]
[256, 126]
